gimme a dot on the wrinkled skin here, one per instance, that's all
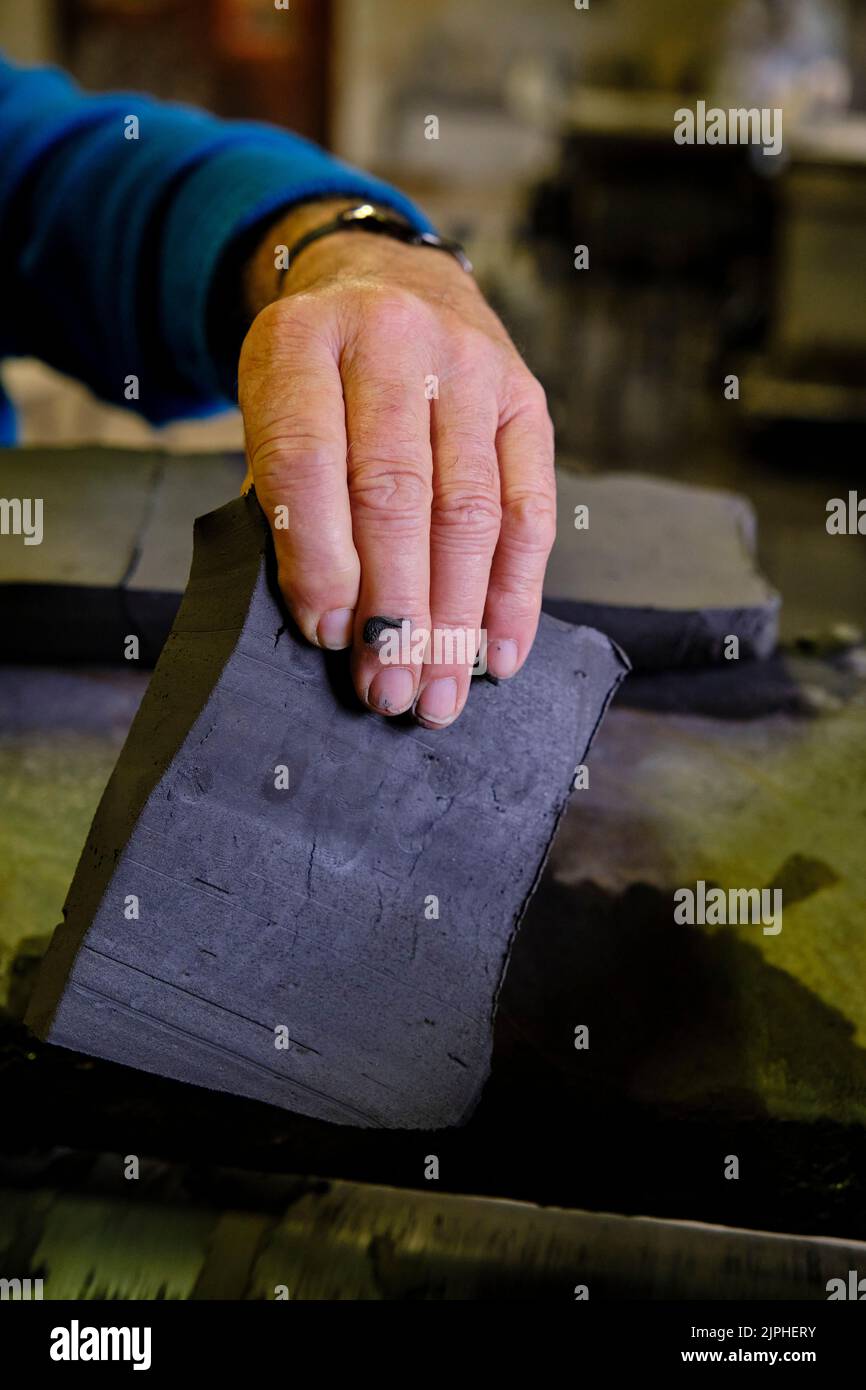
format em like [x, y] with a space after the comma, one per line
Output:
[400, 504]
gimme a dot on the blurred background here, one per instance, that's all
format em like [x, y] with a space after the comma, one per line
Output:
[555, 130]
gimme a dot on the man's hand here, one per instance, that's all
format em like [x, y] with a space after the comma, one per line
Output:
[386, 407]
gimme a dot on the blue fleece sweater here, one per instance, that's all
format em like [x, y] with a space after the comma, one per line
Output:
[109, 245]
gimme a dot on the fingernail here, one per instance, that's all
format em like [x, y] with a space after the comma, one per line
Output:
[502, 658]
[335, 629]
[392, 690]
[438, 700]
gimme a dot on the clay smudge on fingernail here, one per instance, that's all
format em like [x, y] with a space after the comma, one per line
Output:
[375, 628]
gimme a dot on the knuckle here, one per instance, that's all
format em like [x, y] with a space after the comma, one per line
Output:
[536, 396]
[529, 393]
[284, 323]
[392, 313]
[385, 492]
[278, 458]
[530, 522]
[319, 583]
[471, 461]
[388, 423]
[526, 396]
[516, 601]
[471, 354]
[464, 509]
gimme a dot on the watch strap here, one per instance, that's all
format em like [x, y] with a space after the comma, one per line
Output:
[364, 217]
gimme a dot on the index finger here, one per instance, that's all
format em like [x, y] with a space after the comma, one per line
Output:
[291, 397]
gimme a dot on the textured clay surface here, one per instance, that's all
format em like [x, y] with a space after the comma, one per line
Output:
[667, 571]
[115, 555]
[285, 897]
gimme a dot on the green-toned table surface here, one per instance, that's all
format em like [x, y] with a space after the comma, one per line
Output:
[705, 1042]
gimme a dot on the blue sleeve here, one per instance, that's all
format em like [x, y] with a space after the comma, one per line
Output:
[109, 245]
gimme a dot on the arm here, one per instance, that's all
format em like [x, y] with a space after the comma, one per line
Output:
[112, 245]
[386, 411]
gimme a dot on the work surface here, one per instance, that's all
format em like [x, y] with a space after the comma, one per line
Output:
[705, 1041]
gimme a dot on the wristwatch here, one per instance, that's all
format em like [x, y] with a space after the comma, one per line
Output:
[364, 217]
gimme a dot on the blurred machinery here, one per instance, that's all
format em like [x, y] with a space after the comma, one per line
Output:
[710, 261]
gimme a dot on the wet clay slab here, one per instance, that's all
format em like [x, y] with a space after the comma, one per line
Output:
[115, 552]
[288, 898]
[668, 571]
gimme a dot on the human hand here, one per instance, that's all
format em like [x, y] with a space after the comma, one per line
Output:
[386, 407]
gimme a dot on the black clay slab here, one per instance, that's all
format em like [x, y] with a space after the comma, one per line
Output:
[312, 908]
[666, 570]
[115, 553]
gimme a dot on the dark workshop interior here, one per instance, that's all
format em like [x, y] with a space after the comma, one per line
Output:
[697, 316]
